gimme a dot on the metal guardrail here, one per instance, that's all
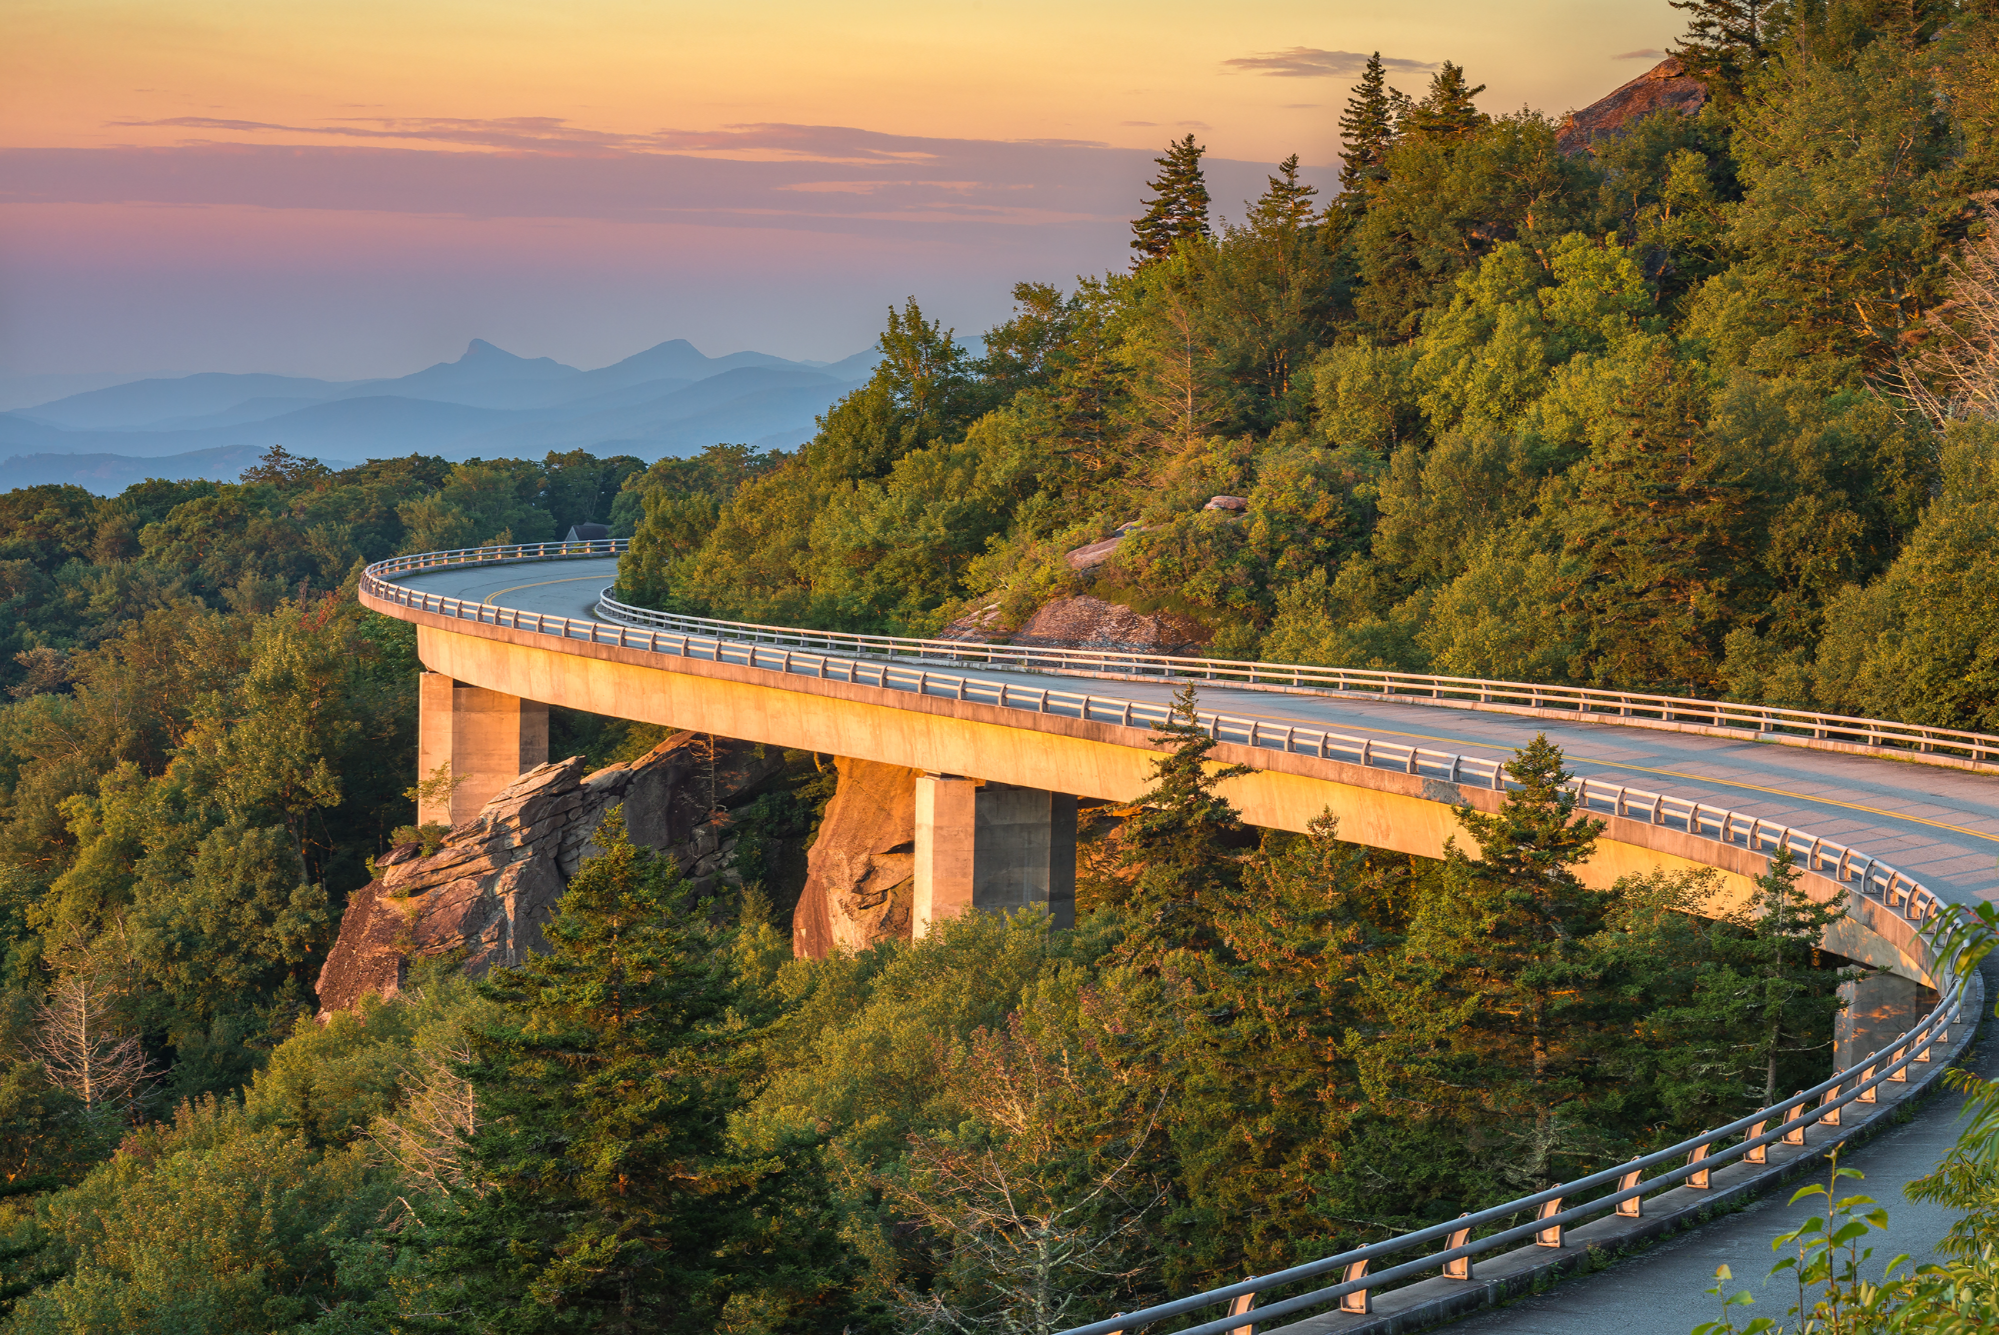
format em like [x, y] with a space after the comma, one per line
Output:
[785, 651]
[1629, 707]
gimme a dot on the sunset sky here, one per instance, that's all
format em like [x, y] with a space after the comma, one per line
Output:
[358, 187]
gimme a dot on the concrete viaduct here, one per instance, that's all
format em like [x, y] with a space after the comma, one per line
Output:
[1897, 821]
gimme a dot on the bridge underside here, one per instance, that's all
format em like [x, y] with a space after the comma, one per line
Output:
[1060, 755]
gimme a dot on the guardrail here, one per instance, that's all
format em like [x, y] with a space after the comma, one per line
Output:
[785, 651]
[1629, 707]
[1692, 1159]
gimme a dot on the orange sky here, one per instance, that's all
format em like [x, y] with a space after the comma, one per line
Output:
[86, 82]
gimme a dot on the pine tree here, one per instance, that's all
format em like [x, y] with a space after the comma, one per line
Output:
[1498, 1011]
[1178, 848]
[1285, 205]
[607, 1192]
[1181, 208]
[1663, 531]
[1367, 132]
[1447, 110]
[1725, 39]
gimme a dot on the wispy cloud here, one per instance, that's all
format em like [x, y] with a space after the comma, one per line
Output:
[1647, 54]
[1309, 62]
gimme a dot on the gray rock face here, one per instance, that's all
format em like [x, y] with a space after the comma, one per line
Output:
[489, 889]
[1084, 622]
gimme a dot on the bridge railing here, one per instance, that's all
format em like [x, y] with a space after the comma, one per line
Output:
[1449, 1247]
[871, 662]
[1631, 707]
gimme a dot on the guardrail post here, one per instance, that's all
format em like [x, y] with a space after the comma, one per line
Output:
[1699, 1180]
[1550, 1236]
[1458, 1267]
[1796, 1135]
[1866, 1095]
[1900, 1075]
[1356, 1303]
[1631, 1207]
[1756, 1153]
[1829, 1116]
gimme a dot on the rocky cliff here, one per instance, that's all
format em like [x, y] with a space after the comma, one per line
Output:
[860, 871]
[487, 890]
[1665, 85]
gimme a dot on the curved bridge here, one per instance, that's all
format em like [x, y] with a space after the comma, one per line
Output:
[1896, 821]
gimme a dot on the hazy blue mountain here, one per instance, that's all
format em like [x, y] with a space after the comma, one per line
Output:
[144, 402]
[108, 474]
[742, 405]
[484, 377]
[671, 399]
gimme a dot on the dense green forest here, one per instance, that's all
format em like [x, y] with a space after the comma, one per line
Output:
[1710, 407]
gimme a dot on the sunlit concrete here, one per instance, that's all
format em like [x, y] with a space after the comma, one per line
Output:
[992, 847]
[475, 741]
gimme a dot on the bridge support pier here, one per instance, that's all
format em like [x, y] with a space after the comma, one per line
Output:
[483, 739]
[993, 847]
[1878, 1007]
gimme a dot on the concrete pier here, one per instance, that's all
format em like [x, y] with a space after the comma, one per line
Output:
[483, 739]
[993, 847]
[1878, 1007]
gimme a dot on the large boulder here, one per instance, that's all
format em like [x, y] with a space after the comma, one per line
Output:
[1084, 622]
[487, 890]
[860, 878]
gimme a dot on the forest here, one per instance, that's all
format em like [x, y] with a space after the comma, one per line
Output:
[1709, 405]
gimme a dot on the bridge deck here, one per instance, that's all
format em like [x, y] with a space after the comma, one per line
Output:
[1939, 825]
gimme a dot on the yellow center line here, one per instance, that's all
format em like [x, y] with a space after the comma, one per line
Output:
[578, 579]
[1696, 778]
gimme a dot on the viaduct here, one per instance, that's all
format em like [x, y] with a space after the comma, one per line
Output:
[1896, 821]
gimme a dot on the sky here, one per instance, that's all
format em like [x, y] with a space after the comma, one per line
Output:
[351, 188]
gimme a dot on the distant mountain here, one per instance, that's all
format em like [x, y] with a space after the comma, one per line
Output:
[144, 402]
[107, 474]
[671, 399]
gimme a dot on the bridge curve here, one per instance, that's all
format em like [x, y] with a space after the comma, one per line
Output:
[1897, 822]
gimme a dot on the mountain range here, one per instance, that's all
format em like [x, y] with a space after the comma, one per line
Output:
[670, 400]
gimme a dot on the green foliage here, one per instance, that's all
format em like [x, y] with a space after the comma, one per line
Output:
[604, 1085]
[1181, 210]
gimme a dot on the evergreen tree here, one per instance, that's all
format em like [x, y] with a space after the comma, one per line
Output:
[1367, 132]
[1664, 529]
[1178, 848]
[1498, 1006]
[1725, 39]
[1447, 111]
[607, 1195]
[1181, 208]
[1285, 205]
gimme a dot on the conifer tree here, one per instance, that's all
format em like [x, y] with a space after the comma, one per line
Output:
[1178, 847]
[603, 1092]
[1498, 1006]
[1181, 208]
[1367, 132]
[1447, 110]
[1285, 205]
[1725, 39]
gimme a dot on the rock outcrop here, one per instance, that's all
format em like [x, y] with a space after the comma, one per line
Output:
[860, 877]
[487, 890]
[1666, 84]
[1084, 622]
